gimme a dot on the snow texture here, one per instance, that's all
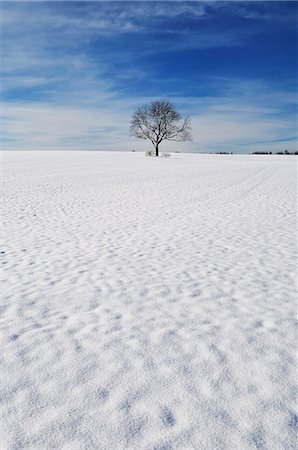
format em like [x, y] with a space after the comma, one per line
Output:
[148, 303]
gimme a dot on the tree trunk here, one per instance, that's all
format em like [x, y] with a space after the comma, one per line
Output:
[156, 150]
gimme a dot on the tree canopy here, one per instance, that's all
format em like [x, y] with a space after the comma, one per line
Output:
[159, 121]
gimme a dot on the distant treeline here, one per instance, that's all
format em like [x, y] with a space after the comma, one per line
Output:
[276, 153]
[285, 152]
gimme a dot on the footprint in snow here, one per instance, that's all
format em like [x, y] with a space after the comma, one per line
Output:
[102, 394]
[168, 417]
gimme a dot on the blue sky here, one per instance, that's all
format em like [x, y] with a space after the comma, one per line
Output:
[73, 72]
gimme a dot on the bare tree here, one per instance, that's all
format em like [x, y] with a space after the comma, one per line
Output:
[158, 122]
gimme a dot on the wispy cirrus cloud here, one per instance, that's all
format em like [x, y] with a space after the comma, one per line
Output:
[72, 73]
[219, 124]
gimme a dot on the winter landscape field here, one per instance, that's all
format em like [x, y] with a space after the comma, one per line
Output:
[148, 303]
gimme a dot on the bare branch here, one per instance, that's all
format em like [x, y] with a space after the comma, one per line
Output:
[160, 121]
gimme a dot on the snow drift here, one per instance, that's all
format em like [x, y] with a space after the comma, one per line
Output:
[148, 303]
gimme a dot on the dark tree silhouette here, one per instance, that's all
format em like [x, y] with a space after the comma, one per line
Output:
[158, 122]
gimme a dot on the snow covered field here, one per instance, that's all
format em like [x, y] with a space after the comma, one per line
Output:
[148, 303]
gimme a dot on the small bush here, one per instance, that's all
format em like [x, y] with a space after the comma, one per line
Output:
[165, 155]
[149, 153]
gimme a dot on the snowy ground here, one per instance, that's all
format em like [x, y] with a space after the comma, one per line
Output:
[148, 303]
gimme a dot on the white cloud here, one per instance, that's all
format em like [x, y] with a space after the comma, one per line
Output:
[231, 131]
[220, 127]
[79, 105]
[39, 127]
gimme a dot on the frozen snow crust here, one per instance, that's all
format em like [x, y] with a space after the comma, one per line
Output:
[148, 303]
